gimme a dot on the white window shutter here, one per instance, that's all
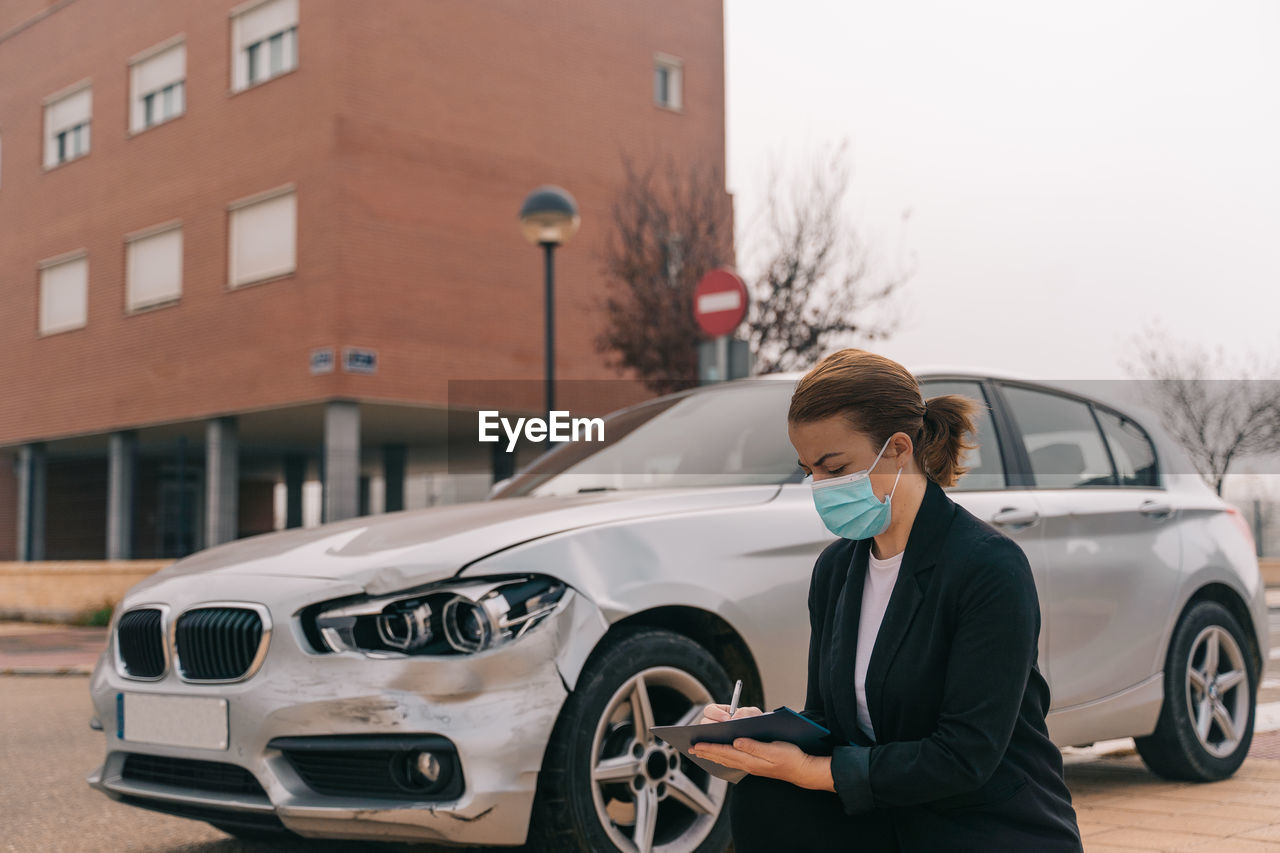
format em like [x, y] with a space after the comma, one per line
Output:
[70, 111]
[64, 295]
[263, 239]
[267, 19]
[155, 269]
[160, 70]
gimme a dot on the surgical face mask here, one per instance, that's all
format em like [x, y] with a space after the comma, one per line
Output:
[849, 507]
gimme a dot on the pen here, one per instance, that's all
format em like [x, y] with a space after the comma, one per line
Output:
[733, 703]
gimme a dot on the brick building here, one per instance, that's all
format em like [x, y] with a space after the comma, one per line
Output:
[243, 249]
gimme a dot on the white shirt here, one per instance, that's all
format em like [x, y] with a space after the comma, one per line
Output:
[881, 576]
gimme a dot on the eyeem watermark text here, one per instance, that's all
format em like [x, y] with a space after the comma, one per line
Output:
[539, 429]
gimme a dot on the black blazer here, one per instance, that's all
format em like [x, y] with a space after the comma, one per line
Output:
[963, 760]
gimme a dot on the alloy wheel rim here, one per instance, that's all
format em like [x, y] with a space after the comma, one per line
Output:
[648, 797]
[1217, 691]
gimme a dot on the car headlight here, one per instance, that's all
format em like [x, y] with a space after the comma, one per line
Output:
[447, 618]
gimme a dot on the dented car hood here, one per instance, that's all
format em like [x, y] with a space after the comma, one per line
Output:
[392, 551]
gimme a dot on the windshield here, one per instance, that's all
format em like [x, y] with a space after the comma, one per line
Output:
[728, 435]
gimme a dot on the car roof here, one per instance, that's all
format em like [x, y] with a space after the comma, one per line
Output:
[934, 369]
[1099, 391]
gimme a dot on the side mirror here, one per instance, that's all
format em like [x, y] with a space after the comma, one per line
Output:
[498, 486]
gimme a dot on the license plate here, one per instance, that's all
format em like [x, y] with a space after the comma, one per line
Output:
[195, 721]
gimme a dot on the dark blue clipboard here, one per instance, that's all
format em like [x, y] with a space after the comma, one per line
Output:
[778, 724]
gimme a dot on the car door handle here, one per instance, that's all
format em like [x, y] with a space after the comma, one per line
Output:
[1011, 516]
[1156, 509]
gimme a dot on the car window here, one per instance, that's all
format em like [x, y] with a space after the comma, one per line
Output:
[986, 468]
[1134, 455]
[1062, 439]
[730, 435]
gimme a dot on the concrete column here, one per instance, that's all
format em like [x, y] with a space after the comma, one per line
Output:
[341, 460]
[122, 466]
[221, 481]
[362, 489]
[393, 466]
[185, 545]
[31, 501]
[295, 474]
[504, 463]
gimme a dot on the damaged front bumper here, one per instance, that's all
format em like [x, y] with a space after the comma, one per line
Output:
[493, 711]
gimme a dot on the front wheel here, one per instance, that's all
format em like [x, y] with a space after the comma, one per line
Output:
[607, 784]
[1210, 687]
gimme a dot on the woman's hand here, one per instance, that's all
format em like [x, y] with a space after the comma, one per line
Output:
[717, 713]
[777, 760]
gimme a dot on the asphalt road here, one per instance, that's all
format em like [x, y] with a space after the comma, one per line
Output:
[47, 749]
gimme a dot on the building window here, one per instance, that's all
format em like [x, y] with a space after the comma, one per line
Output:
[66, 126]
[73, 142]
[264, 42]
[263, 237]
[668, 82]
[158, 82]
[154, 267]
[64, 293]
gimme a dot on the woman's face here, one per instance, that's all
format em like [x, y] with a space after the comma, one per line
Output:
[832, 448]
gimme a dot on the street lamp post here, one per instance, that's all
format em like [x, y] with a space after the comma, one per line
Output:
[548, 218]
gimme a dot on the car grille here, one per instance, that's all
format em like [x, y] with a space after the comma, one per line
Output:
[140, 641]
[218, 643]
[371, 765]
[190, 773]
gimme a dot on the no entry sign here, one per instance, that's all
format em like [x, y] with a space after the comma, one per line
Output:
[719, 302]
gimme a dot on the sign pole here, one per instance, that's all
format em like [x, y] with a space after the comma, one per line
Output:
[719, 307]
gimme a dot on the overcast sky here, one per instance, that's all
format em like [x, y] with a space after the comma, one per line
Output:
[1073, 169]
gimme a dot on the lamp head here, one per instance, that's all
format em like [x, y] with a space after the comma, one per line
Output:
[549, 215]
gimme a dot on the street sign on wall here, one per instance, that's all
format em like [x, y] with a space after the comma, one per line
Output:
[357, 360]
[322, 360]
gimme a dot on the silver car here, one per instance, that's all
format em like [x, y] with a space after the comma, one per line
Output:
[487, 673]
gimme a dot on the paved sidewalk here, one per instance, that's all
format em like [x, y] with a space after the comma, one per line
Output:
[1121, 806]
[29, 648]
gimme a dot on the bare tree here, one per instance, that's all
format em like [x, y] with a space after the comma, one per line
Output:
[812, 279]
[1213, 408]
[816, 279]
[669, 226]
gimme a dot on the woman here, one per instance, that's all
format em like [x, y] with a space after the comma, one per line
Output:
[922, 652]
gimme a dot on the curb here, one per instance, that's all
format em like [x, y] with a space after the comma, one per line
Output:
[73, 669]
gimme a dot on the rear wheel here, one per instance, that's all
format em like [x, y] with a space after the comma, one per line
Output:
[607, 784]
[1210, 688]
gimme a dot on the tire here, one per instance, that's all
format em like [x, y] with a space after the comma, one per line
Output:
[1208, 641]
[574, 813]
